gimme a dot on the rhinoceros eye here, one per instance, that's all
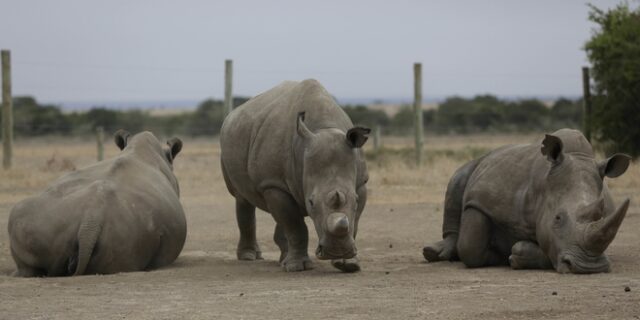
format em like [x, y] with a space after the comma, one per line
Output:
[558, 220]
[310, 202]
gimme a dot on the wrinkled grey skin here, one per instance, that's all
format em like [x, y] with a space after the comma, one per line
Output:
[121, 214]
[534, 206]
[293, 152]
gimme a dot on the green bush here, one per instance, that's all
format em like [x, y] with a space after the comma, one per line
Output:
[614, 52]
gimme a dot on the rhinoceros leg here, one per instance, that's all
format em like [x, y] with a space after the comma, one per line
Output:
[446, 249]
[23, 269]
[287, 214]
[281, 240]
[474, 239]
[528, 255]
[248, 248]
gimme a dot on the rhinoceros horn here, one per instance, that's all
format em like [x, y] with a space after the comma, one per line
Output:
[338, 224]
[592, 212]
[599, 234]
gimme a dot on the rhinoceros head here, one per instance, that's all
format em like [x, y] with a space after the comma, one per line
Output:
[329, 186]
[578, 220]
[123, 138]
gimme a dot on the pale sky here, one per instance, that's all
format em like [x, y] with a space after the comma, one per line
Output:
[175, 50]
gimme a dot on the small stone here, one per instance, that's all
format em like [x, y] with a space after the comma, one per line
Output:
[554, 293]
[391, 209]
[387, 272]
[627, 289]
[241, 294]
[390, 245]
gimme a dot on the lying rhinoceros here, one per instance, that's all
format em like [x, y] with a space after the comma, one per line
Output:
[293, 152]
[533, 206]
[121, 214]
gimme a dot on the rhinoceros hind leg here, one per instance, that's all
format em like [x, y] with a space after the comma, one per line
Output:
[347, 265]
[528, 255]
[287, 215]
[474, 239]
[248, 248]
[444, 250]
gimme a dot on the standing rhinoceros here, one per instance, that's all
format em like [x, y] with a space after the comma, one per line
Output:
[533, 206]
[121, 214]
[292, 151]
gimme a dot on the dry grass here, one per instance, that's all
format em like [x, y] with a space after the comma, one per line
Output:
[394, 177]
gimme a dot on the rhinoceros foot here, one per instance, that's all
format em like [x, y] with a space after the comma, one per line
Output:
[347, 265]
[249, 254]
[295, 264]
[528, 255]
[444, 250]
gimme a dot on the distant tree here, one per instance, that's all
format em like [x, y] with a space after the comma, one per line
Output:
[462, 115]
[566, 113]
[102, 117]
[402, 122]
[525, 115]
[453, 115]
[488, 112]
[614, 52]
[207, 119]
[363, 116]
[134, 120]
[31, 118]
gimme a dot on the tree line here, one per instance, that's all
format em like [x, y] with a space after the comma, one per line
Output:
[483, 113]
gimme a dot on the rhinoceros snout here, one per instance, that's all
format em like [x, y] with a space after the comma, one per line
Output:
[569, 263]
[324, 253]
[336, 248]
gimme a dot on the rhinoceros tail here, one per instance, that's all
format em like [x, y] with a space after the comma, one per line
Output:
[88, 234]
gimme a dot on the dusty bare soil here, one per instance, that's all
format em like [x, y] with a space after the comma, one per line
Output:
[404, 213]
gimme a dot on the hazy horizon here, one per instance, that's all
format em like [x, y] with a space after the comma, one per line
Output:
[128, 51]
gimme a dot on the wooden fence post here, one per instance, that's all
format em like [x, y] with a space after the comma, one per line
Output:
[586, 102]
[7, 114]
[100, 142]
[228, 81]
[376, 138]
[417, 108]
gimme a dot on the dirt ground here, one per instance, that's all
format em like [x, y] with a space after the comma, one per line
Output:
[404, 213]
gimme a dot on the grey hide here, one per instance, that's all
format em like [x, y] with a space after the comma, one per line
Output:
[121, 214]
[293, 152]
[542, 205]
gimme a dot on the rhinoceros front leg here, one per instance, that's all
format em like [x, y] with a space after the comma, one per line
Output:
[248, 248]
[281, 240]
[528, 255]
[285, 211]
[473, 246]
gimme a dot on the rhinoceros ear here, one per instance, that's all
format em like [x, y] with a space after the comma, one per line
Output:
[615, 166]
[302, 129]
[175, 145]
[356, 137]
[121, 137]
[552, 148]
